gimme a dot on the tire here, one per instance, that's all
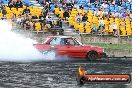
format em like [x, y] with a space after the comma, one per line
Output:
[92, 55]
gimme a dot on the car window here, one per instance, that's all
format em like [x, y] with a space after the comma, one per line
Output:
[77, 42]
[57, 41]
[69, 42]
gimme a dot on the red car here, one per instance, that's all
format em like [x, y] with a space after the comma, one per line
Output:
[69, 46]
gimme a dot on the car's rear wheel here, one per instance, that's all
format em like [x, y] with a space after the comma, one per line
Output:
[92, 55]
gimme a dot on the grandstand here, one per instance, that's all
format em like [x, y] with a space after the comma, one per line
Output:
[98, 17]
[28, 14]
[116, 19]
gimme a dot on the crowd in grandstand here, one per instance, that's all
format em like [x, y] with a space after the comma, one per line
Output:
[29, 17]
[107, 16]
[86, 16]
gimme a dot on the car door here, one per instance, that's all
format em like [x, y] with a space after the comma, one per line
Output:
[58, 44]
[74, 49]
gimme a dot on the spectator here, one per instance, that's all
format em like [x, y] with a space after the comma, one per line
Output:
[96, 3]
[64, 6]
[66, 15]
[94, 28]
[113, 2]
[60, 23]
[11, 5]
[19, 20]
[3, 17]
[26, 22]
[124, 15]
[48, 18]
[88, 4]
[1, 5]
[81, 7]
[34, 17]
[97, 13]
[44, 12]
[4, 12]
[114, 26]
[101, 22]
[120, 14]
[69, 6]
[131, 15]
[41, 20]
[57, 25]
[78, 18]
[26, 10]
[13, 18]
[43, 2]
[105, 13]
[104, 5]
[19, 4]
[49, 21]
[14, 2]
[84, 18]
[119, 2]
[115, 14]
[46, 7]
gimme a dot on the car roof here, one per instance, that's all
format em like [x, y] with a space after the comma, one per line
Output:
[60, 36]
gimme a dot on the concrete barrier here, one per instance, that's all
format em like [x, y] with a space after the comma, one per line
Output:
[105, 39]
[86, 39]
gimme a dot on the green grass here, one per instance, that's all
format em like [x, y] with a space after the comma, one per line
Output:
[113, 46]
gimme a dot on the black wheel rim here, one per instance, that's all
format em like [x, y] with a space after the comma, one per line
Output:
[93, 56]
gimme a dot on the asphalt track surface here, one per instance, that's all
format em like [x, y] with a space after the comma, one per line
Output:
[59, 74]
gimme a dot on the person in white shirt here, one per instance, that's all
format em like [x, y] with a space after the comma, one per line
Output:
[104, 5]
[114, 26]
[97, 13]
[105, 13]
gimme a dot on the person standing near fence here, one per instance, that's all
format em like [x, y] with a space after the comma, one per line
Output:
[101, 27]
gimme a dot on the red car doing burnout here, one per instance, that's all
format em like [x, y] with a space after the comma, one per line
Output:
[69, 46]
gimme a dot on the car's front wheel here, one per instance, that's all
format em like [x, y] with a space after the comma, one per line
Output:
[92, 55]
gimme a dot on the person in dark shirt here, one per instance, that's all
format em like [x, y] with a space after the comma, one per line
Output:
[11, 4]
[41, 18]
[14, 3]
[19, 4]
[119, 2]
[4, 12]
[84, 18]
[26, 10]
[26, 21]
[47, 0]
[34, 18]
[69, 6]
[66, 14]
[60, 23]
[81, 7]
[46, 8]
